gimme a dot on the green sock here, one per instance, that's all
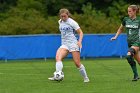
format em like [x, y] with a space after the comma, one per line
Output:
[132, 63]
[134, 69]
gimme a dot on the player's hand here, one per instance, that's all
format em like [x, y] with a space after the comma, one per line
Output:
[113, 38]
[79, 44]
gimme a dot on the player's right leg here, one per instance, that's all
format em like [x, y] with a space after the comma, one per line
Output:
[61, 53]
[130, 59]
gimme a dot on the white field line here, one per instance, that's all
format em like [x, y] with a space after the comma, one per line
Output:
[14, 68]
[20, 74]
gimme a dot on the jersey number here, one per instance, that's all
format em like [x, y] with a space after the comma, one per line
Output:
[130, 31]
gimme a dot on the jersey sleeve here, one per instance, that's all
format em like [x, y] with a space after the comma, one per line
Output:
[123, 21]
[74, 24]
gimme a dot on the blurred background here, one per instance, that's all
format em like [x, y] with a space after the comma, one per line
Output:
[23, 17]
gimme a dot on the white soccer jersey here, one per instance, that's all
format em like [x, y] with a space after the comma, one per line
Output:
[67, 30]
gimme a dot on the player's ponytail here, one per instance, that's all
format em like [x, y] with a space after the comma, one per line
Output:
[138, 10]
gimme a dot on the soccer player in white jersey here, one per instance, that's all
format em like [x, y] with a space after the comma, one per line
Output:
[70, 44]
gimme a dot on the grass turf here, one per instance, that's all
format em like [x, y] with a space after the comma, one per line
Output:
[106, 76]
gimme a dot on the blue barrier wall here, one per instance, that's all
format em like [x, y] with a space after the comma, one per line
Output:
[45, 46]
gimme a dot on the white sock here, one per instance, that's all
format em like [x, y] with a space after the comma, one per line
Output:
[59, 66]
[83, 71]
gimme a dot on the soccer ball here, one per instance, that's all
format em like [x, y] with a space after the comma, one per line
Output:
[58, 75]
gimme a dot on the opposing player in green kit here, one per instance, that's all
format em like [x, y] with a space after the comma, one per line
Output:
[132, 27]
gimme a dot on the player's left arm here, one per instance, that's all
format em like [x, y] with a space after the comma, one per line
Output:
[80, 32]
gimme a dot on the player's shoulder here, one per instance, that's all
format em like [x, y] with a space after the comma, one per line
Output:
[71, 20]
[125, 18]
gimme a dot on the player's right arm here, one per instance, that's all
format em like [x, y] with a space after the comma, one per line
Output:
[119, 31]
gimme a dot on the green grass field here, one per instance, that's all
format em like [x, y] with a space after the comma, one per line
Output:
[106, 76]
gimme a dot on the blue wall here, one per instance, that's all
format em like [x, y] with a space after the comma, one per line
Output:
[45, 46]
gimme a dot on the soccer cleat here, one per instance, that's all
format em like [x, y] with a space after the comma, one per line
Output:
[135, 78]
[86, 80]
[52, 78]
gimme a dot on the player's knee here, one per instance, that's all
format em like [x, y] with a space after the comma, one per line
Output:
[130, 55]
[58, 58]
[131, 52]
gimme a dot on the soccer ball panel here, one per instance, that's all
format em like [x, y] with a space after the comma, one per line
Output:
[58, 75]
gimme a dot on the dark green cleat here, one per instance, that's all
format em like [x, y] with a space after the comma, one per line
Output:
[136, 78]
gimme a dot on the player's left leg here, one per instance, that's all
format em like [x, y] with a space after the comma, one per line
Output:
[76, 58]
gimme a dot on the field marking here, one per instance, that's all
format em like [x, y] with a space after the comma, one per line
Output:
[18, 67]
[1, 73]
[19, 74]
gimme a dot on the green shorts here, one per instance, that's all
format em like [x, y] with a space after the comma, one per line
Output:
[134, 44]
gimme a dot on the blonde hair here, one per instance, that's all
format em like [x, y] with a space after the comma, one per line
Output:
[64, 10]
[135, 8]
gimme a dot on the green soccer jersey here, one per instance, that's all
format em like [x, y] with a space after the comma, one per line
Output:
[133, 30]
